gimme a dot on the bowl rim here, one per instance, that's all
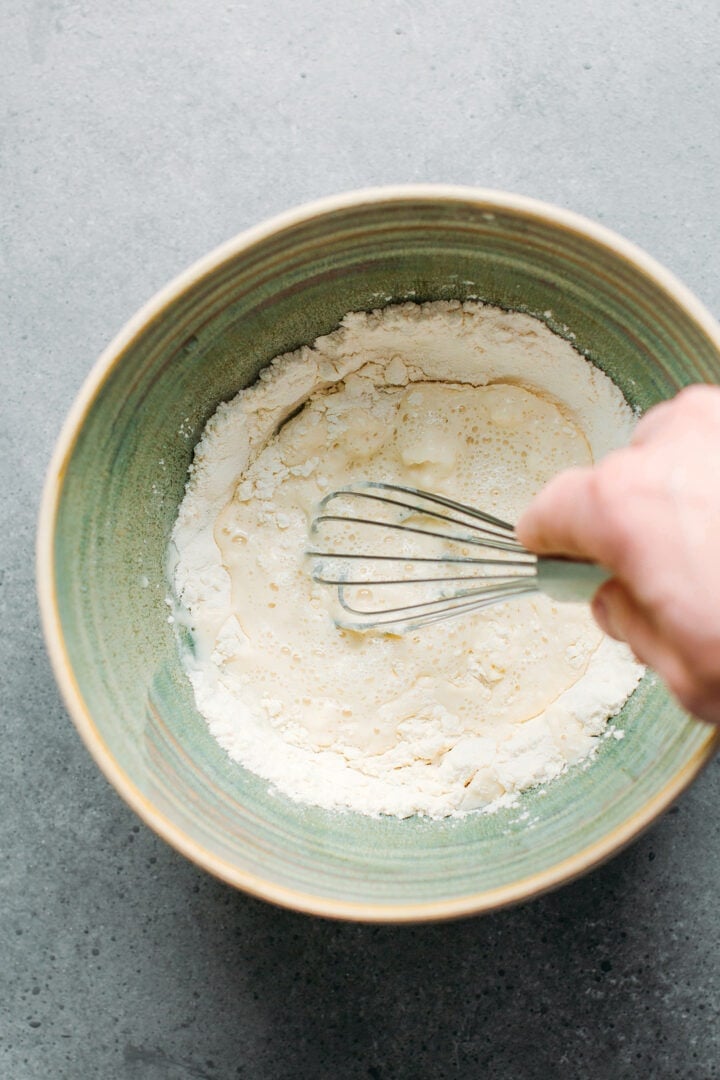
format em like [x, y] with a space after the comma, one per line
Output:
[485, 200]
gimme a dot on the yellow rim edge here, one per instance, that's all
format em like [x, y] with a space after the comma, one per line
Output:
[474, 903]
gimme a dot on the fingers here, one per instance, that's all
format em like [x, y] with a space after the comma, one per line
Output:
[695, 404]
[654, 421]
[563, 518]
[620, 616]
[647, 514]
[623, 618]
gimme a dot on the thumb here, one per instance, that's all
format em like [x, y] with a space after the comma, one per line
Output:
[563, 518]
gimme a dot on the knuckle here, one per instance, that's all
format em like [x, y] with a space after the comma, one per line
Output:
[700, 400]
[699, 696]
[702, 658]
[684, 687]
[694, 393]
[693, 698]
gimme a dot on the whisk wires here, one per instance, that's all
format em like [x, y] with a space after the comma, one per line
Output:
[385, 549]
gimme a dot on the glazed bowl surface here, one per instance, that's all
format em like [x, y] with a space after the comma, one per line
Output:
[118, 475]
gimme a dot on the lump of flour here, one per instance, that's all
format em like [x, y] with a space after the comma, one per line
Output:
[472, 402]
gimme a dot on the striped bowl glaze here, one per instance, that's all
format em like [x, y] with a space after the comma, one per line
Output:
[117, 477]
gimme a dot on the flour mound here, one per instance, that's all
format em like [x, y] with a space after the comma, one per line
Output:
[478, 404]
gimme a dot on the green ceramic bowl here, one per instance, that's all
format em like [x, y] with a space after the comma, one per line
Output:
[117, 477]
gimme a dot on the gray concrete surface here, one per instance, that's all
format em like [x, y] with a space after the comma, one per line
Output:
[135, 136]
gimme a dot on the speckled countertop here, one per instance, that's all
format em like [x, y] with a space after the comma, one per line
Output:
[134, 138]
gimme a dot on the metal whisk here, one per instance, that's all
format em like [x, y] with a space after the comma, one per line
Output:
[401, 558]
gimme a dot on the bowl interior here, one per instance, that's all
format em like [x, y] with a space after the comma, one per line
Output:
[123, 476]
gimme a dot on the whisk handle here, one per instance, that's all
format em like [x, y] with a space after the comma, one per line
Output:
[568, 581]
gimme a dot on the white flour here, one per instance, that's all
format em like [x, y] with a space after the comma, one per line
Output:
[463, 399]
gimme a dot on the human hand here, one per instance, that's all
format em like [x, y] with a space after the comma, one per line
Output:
[650, 513]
